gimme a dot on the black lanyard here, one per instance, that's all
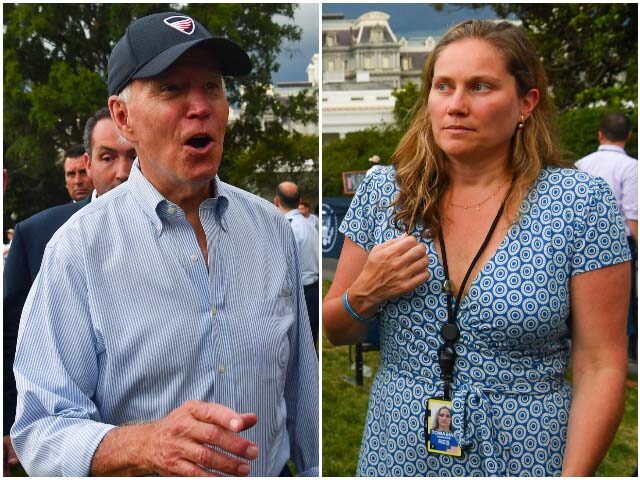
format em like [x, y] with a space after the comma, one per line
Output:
[450, 331]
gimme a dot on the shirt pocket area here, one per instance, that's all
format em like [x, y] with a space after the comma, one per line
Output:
[263, 330]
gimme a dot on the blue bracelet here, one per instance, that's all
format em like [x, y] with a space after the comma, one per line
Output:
[352, 312]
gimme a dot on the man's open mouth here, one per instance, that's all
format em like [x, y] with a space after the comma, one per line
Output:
[199, 141]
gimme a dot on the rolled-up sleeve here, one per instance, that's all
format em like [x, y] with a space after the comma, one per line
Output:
[57, 427]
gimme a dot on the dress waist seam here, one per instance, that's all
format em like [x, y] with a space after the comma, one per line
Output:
[545, 386]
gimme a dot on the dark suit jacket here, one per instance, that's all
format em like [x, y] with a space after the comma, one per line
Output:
[23, 263]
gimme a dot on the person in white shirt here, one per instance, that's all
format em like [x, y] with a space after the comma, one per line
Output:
[305, 209]
[620, 171]
[287, 200]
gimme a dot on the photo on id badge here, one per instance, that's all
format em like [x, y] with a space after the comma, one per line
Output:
[439, 431]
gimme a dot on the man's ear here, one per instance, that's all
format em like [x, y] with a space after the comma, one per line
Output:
[120, 115]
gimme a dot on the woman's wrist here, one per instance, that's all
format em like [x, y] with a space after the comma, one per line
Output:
[362, 304]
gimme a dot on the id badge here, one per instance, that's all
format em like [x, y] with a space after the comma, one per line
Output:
[439, 428]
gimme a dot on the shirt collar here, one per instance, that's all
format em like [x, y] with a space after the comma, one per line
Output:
[292, 213]
[610, 148]
[157, 208]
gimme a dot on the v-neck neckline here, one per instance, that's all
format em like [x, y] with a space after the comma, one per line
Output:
[473, 281]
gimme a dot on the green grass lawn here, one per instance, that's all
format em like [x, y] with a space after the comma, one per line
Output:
[344, 407]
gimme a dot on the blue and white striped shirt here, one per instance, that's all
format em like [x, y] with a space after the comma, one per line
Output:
[125, 323]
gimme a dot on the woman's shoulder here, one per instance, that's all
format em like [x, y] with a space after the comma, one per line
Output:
[382, 181]
[569, 179]
[383, 174]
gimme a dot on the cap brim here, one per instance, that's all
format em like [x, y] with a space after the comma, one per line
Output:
[233, 60]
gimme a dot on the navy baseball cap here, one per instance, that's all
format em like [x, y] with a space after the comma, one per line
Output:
[152, 44]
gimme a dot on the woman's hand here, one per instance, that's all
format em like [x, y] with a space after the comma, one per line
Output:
[391, 269]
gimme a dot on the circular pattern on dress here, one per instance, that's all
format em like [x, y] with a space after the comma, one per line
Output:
[514, 334]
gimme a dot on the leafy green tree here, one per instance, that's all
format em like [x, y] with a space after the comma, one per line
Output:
[353, 153]
[589, 50]
[406, 98]
[55, 69]
[579, 129]
[283, 156]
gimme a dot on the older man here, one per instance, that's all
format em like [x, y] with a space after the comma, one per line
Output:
[167, 332]
[111, 156]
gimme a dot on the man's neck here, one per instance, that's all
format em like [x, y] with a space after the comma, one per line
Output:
[605, 143]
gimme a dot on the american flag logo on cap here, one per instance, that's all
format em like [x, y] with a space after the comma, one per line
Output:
[181, 23]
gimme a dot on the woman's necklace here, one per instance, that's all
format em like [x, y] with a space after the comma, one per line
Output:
[477, 206]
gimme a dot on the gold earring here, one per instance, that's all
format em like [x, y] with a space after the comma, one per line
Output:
[521, 124]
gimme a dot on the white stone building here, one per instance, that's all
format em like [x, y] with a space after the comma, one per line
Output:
[362, 63]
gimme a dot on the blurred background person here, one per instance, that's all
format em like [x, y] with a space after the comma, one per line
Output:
[7, 246]
[77, 179]
[620, 171]
[287, 199]
[304, 208]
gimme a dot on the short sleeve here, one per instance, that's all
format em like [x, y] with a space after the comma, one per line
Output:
[630, 191]
[600, 239]
[369, 208]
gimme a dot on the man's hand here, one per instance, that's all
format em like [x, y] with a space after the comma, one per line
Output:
[180, 444]
[9, 456]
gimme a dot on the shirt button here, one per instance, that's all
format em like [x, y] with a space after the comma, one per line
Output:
[214, 312]
[194, 258]
[172, 210]
[222, 369]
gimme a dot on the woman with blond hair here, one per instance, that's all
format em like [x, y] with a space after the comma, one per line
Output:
[488, 265]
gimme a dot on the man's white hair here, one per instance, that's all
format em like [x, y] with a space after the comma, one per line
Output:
[125, 94]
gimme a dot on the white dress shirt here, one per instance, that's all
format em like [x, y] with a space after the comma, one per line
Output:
[307, 239]
[620, 171]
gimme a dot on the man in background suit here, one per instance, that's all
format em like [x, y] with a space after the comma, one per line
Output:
[76, 177]
[108, 158]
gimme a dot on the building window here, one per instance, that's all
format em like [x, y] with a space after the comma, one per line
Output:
[382, 98]
[377, 35]
[357, 99]
[367, 62]
[406, 63]
[386, 63]
[330, 65]
[331, 39]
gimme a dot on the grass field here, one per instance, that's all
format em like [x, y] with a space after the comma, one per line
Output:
[344, 407]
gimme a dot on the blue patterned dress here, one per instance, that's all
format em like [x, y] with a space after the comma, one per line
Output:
[510, 400]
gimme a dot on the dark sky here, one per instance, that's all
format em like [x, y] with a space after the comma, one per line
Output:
[296, 56]
[408, 20]
[413, 19]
